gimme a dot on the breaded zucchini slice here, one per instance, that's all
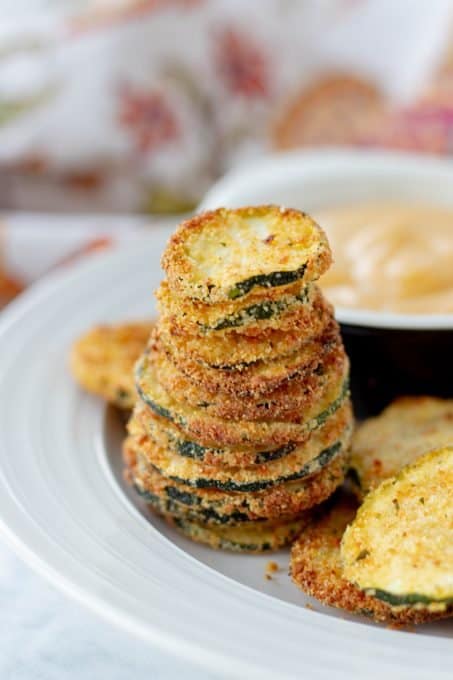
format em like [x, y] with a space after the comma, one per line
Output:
[168, 436]
[280, 501]
[399, 548]
[102, 360]
[316, 568]
[286, 402]
[292, 310]
[214, 431]
[254, 539]
[264, 376]
[307, 459]
[164, 497]
[406, 429]
[226, 254]
[236, 350]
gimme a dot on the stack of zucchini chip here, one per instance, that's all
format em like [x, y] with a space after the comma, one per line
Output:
[243, 421]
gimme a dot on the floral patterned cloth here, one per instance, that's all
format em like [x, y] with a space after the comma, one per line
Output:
[139, 105]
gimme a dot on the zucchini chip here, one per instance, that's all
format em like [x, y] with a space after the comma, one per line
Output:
[214, 431]
[286, 402]
[264, 376]
[254, 539]
[284, 312]
[168, 436]
[235, 350]
[317, 570]
[399, 548]
[166, 499]
[102, 361]
[225, 254]
[282, 500]
[406, 429]
[307, 459]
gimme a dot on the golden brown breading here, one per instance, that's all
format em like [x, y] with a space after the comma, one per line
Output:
[407, 428]
[230, 350]
[215, 431]
[319, 450]
[263, 376]
[280, 501]
[317, 570]
[168, 437]
[166, 498]
[399, 547]
[253, 539]
[286, 402]
[293, 311]
[102, 360]
[227, 254]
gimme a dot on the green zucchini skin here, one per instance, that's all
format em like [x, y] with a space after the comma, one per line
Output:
[258, 312]
[321, 418]
[312, 466]
[254, 544]
[191, 449]
[173, 505]
[409, 600]
[188, 530]
[272, 280]
[315, 422]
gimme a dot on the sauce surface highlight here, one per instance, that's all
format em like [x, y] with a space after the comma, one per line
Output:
[391, 257]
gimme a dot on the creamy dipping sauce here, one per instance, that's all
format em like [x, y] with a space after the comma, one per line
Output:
[390, 257]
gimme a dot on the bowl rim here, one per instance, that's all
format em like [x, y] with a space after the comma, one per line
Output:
[297, 163]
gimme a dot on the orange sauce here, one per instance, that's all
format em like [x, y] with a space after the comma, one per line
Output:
[393, 257]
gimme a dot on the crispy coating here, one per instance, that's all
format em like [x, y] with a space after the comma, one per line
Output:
[254, 539]
[399, 546]
[407, 428]
[293, 311]
[286, 402]
[170, 438]
[215, 431]
[226, 254]
[263, 376]
[167, 499]
[284, 500]
[236, 349]
[305, 460]
[102, 360]
[317, 570]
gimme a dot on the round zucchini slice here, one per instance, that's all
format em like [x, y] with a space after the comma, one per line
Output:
[263, 376]
[399, 548]
[294, 309]
[226, 254]
[102, 361]
[166, 498]
[168, 436]
[406, 429]
[316, 568]
[308, 459]
[254, 539]
[286, 402]
[214, 431]
[282, 500]
[236, 350]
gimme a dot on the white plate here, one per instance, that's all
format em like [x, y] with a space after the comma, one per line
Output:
[65, 510]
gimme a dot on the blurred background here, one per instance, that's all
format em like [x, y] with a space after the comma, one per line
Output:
[135, 107]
